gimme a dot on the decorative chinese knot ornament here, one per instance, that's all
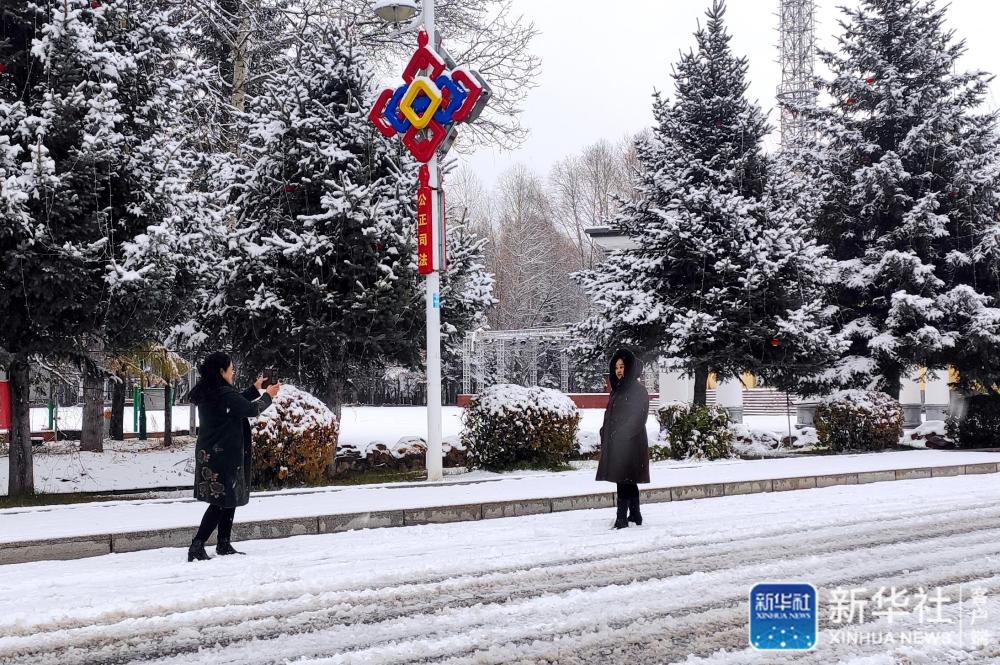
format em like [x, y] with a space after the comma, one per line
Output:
[435, 97]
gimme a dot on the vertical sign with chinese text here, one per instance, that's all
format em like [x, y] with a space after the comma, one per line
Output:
[425, 224]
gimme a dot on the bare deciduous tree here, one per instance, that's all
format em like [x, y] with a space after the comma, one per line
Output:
[586, 190]
[530, 257]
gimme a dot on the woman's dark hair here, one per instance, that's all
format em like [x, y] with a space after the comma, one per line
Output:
[210, 379]
[633, 367]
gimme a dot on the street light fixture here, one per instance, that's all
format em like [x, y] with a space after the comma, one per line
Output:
[396, 11]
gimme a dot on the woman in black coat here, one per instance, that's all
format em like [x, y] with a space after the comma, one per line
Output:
[624, 445]
[223, 463]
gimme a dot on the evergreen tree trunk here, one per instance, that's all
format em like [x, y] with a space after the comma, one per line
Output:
[21, 479]
[118, 394]
[192, 409]
[92, 426]
[701, 385]
[168, 415]
[333, 396]
[892, 382]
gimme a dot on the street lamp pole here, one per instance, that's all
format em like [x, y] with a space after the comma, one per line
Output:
[433, 284]
[427, 132]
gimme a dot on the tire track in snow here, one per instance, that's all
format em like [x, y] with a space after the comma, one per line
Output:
[268, 594]
[445, 636]
[605, 565]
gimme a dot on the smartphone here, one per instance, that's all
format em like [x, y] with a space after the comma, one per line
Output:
[270, 376]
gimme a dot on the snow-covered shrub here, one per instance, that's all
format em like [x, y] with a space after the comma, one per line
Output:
[667, 412]
[508, 427]
[802, 438]
[659, 450]
[980, 426]
[700, 431]
[859, 420]
[588, 446]
[408, 453]
[293, 441]
[930, 434]
[755, 443]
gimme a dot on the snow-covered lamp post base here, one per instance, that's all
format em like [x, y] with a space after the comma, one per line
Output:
[909, 398]
[674, 387]
[937, 396]
[729, 395]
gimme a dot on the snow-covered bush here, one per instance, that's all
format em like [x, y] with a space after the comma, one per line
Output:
[802, 438]
[754, 442]
[667, 412]
[293, 441]
[931, 434]
[699, 431]
[408, 453]
[508, 427]
[659, 450]
[980, 426]
[588, 446]
[859, 420]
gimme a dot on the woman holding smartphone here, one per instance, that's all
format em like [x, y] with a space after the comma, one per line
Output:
[223, 461]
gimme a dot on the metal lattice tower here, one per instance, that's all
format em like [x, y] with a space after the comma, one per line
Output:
[798, 55]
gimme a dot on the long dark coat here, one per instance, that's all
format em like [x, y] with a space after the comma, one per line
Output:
[624, 444]
[222, 458]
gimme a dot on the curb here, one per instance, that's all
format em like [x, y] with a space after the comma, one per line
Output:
[79, 547]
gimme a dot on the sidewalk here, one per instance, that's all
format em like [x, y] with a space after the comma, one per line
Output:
[91, 529]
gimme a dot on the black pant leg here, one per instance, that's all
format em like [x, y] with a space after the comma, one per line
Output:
[226, 523]
[628, 491]
[208, 523]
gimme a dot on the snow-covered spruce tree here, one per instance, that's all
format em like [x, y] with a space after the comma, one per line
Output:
[125, 157]
[231, 48]
[156, 273]
[92, 160]
[466, 294]
[327, 281]
[910, 175]
[721, 278]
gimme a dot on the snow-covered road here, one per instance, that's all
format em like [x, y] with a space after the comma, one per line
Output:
[556, 588]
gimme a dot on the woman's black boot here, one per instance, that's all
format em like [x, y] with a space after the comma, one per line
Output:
[621, 521]
[225, 548]
[197, 551]
[633, 511]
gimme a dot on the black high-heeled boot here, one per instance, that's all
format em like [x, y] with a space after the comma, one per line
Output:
[621, 521]
[633, 511]
[225, 548]
[196, 552]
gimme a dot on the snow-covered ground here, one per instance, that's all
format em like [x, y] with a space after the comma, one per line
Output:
[39, 523]
[130, 465]
[557, 588]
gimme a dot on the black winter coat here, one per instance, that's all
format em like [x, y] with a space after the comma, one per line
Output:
[624, 444]
[223, 463]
